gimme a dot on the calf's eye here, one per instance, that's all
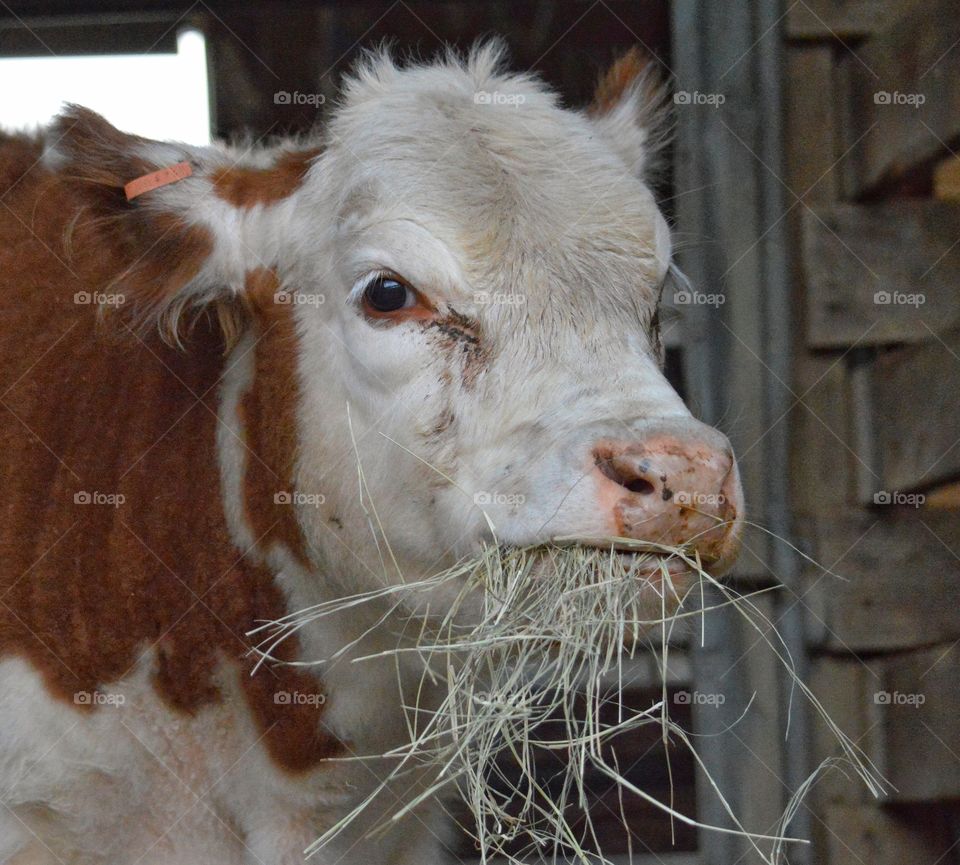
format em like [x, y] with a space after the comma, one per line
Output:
[387, 294]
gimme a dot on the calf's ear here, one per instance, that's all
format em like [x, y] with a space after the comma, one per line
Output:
[631, 110]
[178, 242]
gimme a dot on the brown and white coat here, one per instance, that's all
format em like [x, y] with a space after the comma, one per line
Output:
[160, 500]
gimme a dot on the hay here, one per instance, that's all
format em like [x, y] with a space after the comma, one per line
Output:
[535, 639]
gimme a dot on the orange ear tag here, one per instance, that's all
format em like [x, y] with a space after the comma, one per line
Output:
[156, 179]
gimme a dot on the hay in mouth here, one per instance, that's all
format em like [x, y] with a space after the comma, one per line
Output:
[533, 639]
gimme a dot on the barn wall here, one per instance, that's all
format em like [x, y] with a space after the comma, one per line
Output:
[875, 427]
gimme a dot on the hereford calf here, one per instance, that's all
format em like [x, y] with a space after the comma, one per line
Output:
[437, 318]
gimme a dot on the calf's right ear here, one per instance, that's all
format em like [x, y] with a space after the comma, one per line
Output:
[182, 226]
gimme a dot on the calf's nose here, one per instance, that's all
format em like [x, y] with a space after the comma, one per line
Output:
[677, 487]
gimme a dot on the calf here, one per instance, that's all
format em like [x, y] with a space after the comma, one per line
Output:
[260, 380]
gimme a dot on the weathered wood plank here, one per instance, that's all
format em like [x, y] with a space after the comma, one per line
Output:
[822, 465]
[895, 583]
[844, 685]
[811, 124]
[841, 19]
[881, 273]
[919, 710]
[912, 60]
[917, 413]
[820, 475]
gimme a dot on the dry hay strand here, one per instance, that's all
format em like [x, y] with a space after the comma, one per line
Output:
[535, 641]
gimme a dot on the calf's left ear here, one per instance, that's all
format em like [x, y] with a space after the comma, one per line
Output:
[179, 228]
[631, 109]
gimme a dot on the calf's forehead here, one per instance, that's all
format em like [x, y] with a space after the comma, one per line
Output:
[502, 189]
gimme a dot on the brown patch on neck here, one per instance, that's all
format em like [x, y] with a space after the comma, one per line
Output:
[248, 187]
[618, 79]
[268, 413]
[93, 587]
[288, 706]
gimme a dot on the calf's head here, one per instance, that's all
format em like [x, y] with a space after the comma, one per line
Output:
[448, 323]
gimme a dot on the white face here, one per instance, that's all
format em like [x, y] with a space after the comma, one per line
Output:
[486, 352]
[485, 364]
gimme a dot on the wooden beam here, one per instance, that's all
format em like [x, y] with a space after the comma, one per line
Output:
[880, 273]
[919, 710]
[893, 581]
[155, 34]
[891, 135]
[917, 414]
[832, 20]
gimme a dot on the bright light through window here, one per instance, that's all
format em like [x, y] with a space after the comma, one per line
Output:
[155, 95]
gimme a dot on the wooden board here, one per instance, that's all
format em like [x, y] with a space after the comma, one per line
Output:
[890, 135]
[822, 468]
[917, 413]
[881, 273]
[844, 686]
[897, 582]
[918, 708]
[811, 120]
[820, 475]
[841, 19]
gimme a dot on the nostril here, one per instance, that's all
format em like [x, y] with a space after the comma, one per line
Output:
[639, 485]
[626, 474]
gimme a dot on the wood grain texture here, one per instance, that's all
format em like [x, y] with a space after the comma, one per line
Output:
[883, 273]
[888, 581]
[919, 710]
[913, 56]
[917, 413]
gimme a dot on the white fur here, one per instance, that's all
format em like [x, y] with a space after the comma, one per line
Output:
[461, 198]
